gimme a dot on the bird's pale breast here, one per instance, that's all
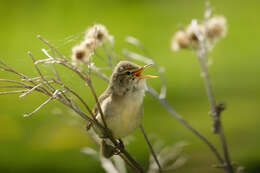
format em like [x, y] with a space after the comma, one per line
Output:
[124, 115]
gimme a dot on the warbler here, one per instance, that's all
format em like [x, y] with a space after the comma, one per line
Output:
[122, 102]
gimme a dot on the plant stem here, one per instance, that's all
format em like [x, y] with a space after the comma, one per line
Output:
[218, 129]
[151, 148]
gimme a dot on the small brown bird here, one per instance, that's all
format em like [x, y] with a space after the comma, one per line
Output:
[122, 102]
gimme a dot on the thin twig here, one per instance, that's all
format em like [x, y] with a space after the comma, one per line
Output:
[32, 79]
[30, 90]
[83, 76]
[22, 76]
[132, 161]
[7, 68]
[128, 162]
[151, 148]
[55, 72]
[12, 81]
[40, 73]
[13, 92]
[45, 92]
[12, 86]
[52, 47]
[137, 57]
[43, 104]
[110, 57]
[99, 73]
[97, 102]
[75, 94]
[43, 77]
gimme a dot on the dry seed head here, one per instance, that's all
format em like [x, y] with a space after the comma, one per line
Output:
[80, 54]
[192, 31]
[99, 33]
[216, 27]
[89, 44]
[180, 40]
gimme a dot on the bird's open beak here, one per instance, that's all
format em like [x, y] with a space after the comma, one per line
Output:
[139, 73]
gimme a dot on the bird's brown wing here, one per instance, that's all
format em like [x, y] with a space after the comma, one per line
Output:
[101, 98]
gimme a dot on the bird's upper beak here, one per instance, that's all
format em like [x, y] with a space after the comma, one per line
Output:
[139, 73]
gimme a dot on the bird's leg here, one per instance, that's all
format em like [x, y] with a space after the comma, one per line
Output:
[107, 150]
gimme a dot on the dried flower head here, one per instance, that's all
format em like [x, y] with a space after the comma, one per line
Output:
[99, 33]
[89, 44]
[180, 40]
[193, 31]
[80, 54]
[216, 27]
[209, 31]
[95, 36]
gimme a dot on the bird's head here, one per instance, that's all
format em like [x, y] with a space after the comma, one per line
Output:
[127, 78]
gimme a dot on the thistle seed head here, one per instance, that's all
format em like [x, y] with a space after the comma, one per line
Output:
[99, 33]
[210, 31]
[89, 44]
[216, 27]
[180, 40]
[80, 54]
[192, 31]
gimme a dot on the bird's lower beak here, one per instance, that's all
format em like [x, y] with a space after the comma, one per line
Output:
[139, 73]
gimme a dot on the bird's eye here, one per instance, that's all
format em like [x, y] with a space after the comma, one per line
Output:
[128, 72]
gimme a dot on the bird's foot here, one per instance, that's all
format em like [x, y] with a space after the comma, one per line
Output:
[116, 151]
[118, 148]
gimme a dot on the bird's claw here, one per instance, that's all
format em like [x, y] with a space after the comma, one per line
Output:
[119, 147]
[116, 151]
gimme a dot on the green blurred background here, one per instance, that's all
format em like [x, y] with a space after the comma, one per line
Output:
[51, 140]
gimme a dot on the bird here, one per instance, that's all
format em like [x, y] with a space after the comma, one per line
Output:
[122, 103]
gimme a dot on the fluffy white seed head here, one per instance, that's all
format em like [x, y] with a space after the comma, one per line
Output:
[99, 33]
[89, 44]
[80, 54]
[208, 31]
[94, 37]
[193, 31]
[216, 27]
[180, 40]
